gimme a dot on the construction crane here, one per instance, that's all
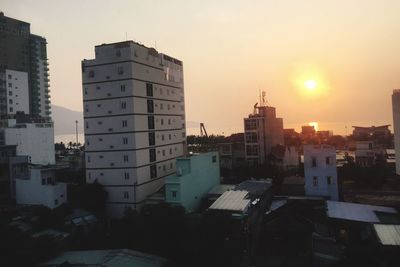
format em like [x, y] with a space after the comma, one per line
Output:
[203, 131]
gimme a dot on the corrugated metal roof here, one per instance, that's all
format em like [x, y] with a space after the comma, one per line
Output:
[107, 258]
[388, 234]
[233, 201]
[356, 212]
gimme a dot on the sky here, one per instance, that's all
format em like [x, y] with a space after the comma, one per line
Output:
[232, 50]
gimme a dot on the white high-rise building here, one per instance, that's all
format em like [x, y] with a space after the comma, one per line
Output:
[396, 126]
[134, 115]
[320, 171]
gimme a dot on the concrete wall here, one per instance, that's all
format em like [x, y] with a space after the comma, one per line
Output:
[35, 140]
[195, 177]
[17, 91]
[316, 177]
[41, 189]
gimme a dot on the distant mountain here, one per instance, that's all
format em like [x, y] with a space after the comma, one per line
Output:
[64, 120]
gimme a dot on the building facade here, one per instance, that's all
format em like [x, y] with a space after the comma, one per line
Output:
[262, 131]
[396, 126]
[25, 56]
[134, 116]
[41, 188]
[320, 171]
[196, 175]
[35, 140]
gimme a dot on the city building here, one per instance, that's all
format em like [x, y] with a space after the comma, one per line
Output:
[285, 157]
[396, 126]
[35, 140]
[360, 131]
[134, 116]
[367, 153]
[231, 151]
[196, 175]
[11, 167]
[24, 71]
[262, 131]
[320, 171]
[41, 188]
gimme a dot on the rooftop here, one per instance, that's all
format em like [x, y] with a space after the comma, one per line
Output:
[106, 258]
[358, 212]
[388, 234]
[232, 201]
[254, 187]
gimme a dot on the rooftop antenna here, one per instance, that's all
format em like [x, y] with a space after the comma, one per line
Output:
[126, 36]
[259, 96]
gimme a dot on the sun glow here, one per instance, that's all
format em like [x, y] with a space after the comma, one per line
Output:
[310, 85]
[314, 124]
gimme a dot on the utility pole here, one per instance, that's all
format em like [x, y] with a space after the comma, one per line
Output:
[76, 131]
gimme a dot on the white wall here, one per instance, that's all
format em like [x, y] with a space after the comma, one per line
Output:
[33, 192]
[321, 171]
[110, 99]
[17, 91]
[35, 140]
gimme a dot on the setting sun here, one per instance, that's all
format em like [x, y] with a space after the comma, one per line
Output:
[310, 84]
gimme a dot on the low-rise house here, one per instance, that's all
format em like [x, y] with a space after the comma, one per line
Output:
[293, 186]
[194, 178]
[286, 157]
[367, 153]
[41, 188]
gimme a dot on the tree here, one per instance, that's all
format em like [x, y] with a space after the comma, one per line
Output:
[92, 197]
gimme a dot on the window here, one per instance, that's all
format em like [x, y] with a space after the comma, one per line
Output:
[126, 176]
[149, 89]
[164, 167]
[11, 110]
[125, 140]
[123, 105]
[99, 122]
[173, 194]
[152, 138]
[161, 106]
[168, 107]
[10, 93]
[169, 121]
[56, 202]
[315, 181]
[162, 121]
[43, 181]
[251, 138]
[126, 195]
[120, 70]
[10, 101]
[91, 74]
[98, 105]
[118, 53]
[124, 123]
[214, 159]
[122, 87]
[250, 124]
[101, 156]
[328, 161]
[9, 76]
[313, 162]
[9, 84]
[152, 154]
[88, 158]
[126, 158]
[150, 106]
[171, 165]
[153, 171]
[100, 139]
[169, 136]
[252, 150]
[162, 137]
[170, 151]
[163, 152]
[150, 121]
[329, 180]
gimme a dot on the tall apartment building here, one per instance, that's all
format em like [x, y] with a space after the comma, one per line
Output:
[23, 54]
[396, 126]
[134, 115]
[262, 131]
[320, 171]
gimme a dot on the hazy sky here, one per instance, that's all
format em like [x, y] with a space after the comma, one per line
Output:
[233, 49]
